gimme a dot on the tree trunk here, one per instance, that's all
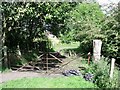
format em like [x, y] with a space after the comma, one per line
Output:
[97, 50]
[1, 47]
[4, 52]
[18, 50]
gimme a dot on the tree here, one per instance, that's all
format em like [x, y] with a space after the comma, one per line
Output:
[111, 32]
[23, 22]
[84, 24]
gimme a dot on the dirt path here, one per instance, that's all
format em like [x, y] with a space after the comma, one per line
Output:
[16, 75]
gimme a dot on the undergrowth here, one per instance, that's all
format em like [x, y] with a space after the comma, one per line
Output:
[101, 72]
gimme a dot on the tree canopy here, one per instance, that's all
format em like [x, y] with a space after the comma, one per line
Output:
[24, 24]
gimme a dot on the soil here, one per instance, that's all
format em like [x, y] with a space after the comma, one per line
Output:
[4, 77]
[13, 75]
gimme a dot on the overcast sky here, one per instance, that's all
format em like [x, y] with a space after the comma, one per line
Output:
[106, 2]
[103, 2]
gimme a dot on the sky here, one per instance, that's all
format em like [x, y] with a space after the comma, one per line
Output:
[103, 2]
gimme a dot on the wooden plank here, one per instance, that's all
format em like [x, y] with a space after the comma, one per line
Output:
[47, 61]
[52, 58]
[25, 68]
[21, 67]
[56, 58]
[40, 56]
[64, 64]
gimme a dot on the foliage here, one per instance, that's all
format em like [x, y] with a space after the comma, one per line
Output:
[61, 82]
[19, 24]
[112, 35]
[4, 70]
[64, 46]
[0, 86]
[25, 21]
[101, 74]
[84, 25]
[87, 22]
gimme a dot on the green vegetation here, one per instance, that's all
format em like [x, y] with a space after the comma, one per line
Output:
[4, 70]
[101, 72]
[87, 22]
[0, 86]
[84, 25]
[75, 24]
[25, 24]
[65, 82]
[63, 46]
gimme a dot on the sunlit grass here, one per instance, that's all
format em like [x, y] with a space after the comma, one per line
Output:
[62, 46]
[0, 86]
[65, 82]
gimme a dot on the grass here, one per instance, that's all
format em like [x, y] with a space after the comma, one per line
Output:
[4, 70]
[0, 86]
[63, 46]
[66, 82]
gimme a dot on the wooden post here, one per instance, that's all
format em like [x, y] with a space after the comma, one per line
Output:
[97, 50]
[5, 57]
[89, 54]
[18, 50]
[47, 61]
[112, 68]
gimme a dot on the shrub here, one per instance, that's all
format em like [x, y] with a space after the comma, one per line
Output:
[101, 74]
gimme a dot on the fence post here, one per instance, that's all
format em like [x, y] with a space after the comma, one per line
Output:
[18, 50]
[5, 57]
[97, 50]
[89, 54]
[112, 67]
